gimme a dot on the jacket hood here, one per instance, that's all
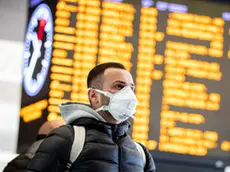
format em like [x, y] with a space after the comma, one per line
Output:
[71, 111]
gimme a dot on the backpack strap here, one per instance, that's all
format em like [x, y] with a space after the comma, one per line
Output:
[77, 146]
[78, 143]
[141, 151]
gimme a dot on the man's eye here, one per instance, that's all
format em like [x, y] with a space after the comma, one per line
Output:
[120, 86]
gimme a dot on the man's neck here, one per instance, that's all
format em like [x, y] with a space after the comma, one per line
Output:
[108, 118]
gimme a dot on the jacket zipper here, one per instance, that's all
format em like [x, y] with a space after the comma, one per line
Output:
[115, 139]
[119, 155]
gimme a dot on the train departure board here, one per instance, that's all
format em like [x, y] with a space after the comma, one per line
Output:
[178, 52]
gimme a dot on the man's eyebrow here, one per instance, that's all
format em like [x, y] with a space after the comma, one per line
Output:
[122, 82]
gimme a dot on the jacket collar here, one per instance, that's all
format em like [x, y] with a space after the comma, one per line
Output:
[111, 129]
[83, 115]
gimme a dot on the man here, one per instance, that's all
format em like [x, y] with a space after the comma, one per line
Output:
[107, 146]
[20, 163]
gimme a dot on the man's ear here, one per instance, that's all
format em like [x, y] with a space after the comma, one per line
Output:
[94, 96]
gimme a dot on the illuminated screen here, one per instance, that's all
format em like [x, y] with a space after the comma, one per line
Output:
[177, 51]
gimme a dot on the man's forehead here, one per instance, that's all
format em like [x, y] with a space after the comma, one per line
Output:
[116, 74]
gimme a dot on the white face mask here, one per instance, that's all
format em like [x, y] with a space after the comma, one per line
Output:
[122, 104]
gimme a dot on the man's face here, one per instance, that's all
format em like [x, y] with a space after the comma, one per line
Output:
[114, 80]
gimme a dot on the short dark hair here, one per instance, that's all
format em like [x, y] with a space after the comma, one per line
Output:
[95, 76]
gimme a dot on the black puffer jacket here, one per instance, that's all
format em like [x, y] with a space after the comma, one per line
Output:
[20, 163]
[107, 147]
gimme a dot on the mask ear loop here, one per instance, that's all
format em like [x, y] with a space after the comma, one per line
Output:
[100, 109]
[105, 93]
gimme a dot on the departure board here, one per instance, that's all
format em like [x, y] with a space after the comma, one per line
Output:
[178, 52]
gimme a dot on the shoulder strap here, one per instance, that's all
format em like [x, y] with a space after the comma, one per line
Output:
[77, 146]
[141, 151]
